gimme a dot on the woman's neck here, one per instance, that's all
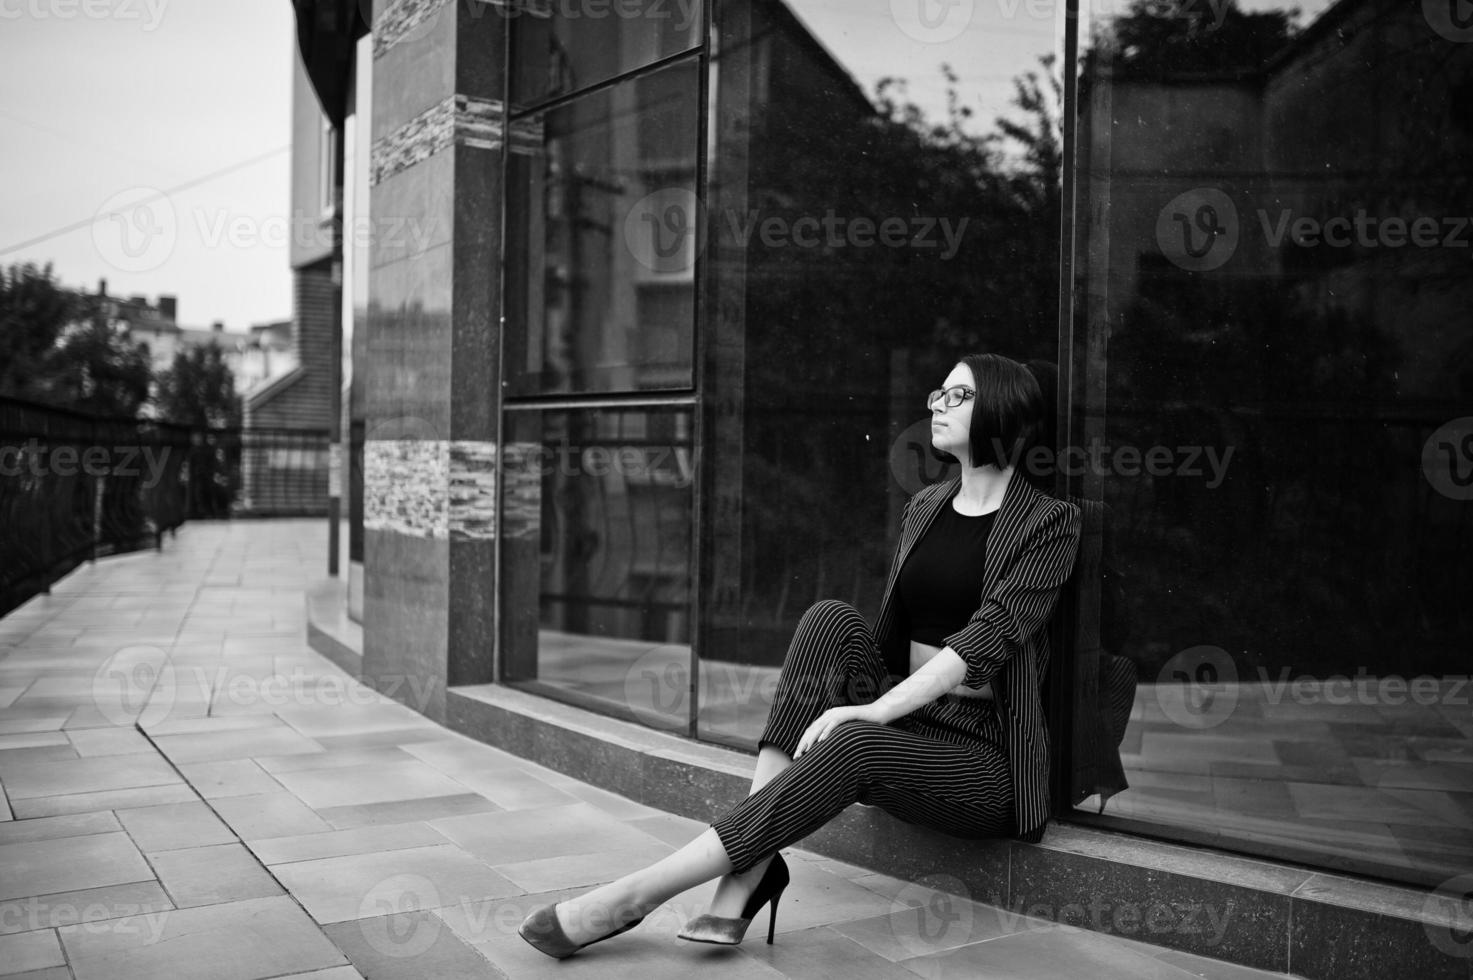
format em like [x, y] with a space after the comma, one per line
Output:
[983, 488]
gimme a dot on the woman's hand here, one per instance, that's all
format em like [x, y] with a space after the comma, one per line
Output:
[831, 719]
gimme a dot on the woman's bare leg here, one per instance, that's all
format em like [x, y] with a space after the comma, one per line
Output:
[601, 910]
[733, 890]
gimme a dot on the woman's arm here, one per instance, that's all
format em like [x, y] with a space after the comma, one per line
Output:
[931, 680]
[1022, 600]
[928, 682]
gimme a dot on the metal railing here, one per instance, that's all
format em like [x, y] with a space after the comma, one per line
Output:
[75, 487]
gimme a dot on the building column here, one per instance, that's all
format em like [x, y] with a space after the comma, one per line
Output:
[430, 353]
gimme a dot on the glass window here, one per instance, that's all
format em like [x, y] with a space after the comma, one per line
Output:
[870, 223]
[563, 47]
[596, 557]
[602, 241]
[1274, 384]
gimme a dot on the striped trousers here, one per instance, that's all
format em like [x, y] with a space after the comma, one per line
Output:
[941, 766]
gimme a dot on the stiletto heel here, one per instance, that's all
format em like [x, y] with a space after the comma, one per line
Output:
[542, 931]
[729, 932]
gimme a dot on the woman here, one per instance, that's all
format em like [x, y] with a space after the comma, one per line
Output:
[956, 740]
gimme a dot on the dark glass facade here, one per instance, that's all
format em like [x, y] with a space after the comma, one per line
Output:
[739, 252]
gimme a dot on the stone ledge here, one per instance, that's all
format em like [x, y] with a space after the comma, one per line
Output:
[329, 629]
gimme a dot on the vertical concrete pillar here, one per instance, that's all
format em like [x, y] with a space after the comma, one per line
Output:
[430, 352]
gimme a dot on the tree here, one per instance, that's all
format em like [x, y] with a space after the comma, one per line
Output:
[34, 311]
[58, 348]
[199, 390]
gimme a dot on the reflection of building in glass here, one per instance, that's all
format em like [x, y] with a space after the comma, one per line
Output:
[1270, 275]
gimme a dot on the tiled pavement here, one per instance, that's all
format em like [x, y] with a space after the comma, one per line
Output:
[190, 791]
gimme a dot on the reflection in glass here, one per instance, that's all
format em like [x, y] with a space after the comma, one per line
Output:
[869, 224]
[1258, 313]
[601, 240]
[596, 549]
[560, 48]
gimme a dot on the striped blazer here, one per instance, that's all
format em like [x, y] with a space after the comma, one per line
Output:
[1030, 554]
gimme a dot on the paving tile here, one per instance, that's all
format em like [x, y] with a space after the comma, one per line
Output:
[395, 736]
[404, 811]
[213, 874]
[237, 744]
[671, 828]
[920, 921]
[331, 973]
[525, 835]
[268, 815]
[337, 843]
[411, 945]
[39, 753]
[617, 806]
[27, 740]
[582, 870]
[50, 973]
[246, 940]
[1205, 969]
[109, 741]
[462, 753]
[356, 785]
[810, 954]
[356, 719]
[226, 723]
[365, 885]
[46, 806]
[26, 951]
[229, 777]
[334, 759]
[66, 825]
[128, 900]
[174, 825]
[649, 951]
[42, 867]
[1045, 954]
[16, 722]
[71, 776]
[817, 897]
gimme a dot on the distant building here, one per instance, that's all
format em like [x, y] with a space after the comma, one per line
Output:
[156, 326]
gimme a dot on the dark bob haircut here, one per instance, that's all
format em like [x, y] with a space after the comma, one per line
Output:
[1008, 413]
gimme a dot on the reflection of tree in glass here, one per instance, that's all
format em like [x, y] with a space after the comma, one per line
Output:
[1189, 36]
[1318, 365]
[836, 330]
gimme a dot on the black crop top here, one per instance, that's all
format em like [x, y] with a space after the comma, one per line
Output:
[941, 582]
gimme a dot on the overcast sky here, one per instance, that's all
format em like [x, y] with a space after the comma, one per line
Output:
[145, 96]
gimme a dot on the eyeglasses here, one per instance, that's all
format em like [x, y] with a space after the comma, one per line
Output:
[954, 396]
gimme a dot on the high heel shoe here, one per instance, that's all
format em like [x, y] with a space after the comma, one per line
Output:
[543, 931]
[729, 932]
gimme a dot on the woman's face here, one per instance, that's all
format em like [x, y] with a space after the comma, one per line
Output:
[951, 426]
